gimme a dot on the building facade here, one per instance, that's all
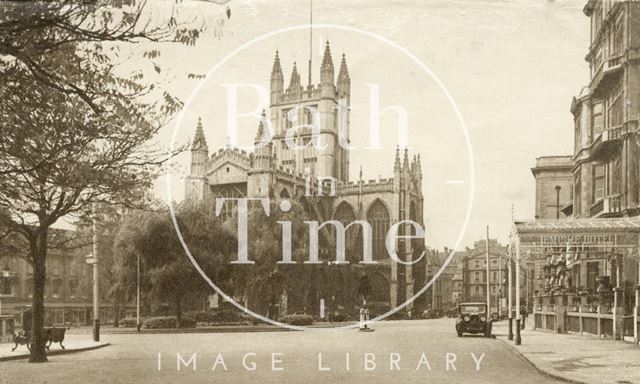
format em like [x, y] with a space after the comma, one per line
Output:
[68, 294]
[586, 265]
[554, 186]
[302, 139]
[606, 155]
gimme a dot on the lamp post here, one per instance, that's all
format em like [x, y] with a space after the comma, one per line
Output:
[94, 262]
[138, 325]
[518, 314]
[510, 277]
[500, 285]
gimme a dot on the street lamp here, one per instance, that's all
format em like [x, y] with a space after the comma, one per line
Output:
[6, 274]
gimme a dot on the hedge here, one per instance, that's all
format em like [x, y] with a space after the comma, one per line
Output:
[169, 322]
[299, 319]
[128, 322]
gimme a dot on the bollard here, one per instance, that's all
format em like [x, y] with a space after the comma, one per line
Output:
[518, 339]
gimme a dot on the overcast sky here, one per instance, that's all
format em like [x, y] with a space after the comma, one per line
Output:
[511, 67]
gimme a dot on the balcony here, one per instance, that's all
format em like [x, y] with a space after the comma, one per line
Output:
[609, 139]
[610, 205]
[606, 70]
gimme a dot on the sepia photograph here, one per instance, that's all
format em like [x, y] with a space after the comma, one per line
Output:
[320, 191]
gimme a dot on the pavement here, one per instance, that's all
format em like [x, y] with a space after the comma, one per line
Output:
[575, 358]
[72, 344]
[418, 351]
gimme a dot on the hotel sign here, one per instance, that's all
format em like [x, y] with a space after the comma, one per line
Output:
[579, 239]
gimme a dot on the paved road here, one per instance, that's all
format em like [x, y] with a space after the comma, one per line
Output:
[134, 358]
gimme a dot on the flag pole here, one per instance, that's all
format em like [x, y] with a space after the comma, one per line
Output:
[488, 280]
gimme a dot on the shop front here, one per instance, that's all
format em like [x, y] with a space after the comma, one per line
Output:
[585, 274]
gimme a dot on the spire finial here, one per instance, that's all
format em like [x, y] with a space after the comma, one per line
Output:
[199, 141]
[277, 69]
[327, 61]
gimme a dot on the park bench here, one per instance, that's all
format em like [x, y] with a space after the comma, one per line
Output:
[52, 335]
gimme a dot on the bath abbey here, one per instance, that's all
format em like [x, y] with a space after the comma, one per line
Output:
[281, 167]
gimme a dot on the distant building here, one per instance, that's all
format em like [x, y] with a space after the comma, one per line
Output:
[68, 295]
[469, 282]
[554, 186]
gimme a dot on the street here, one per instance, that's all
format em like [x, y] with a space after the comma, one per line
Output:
[398, 351]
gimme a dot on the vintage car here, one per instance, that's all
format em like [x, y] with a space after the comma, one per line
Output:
[472, 318]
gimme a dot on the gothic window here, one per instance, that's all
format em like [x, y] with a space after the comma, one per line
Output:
[227, 209]
[346, 215]
[284, 194]
[379, 219]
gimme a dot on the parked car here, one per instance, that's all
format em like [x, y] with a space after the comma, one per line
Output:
[472, 318]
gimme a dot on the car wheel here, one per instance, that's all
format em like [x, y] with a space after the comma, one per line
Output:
[459, 333]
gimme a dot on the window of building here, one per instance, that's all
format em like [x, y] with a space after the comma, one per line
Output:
[617, 39]
[596, 21]
[616, 176]
[5, 287]
[577, 134]
[598, 182]
[476, 276]
[73, 288]
[597, 119]
[289, 116]
[615, 111]
[229, 205]
[477, 263]
[57, 288]
[378, 217]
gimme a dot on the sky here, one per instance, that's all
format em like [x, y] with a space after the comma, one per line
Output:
[510, 67]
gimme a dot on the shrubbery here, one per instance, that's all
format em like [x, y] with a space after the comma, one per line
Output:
[161, 322]
[298, 319]
[128, 322]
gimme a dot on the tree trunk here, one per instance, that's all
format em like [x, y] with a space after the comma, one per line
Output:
[38, 338]
[178, 312]
[116, 313]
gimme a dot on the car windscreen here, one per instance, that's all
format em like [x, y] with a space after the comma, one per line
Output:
[472, 309]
